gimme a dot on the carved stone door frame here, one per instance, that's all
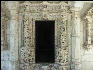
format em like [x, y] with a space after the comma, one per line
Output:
[32, 12]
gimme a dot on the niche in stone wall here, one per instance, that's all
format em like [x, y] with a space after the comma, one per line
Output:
[45, 41]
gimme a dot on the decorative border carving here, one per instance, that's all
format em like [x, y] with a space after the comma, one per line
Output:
[89, 22]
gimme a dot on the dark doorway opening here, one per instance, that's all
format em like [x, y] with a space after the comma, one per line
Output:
[45, 41]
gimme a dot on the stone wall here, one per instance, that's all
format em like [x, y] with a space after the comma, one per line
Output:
[18, 39]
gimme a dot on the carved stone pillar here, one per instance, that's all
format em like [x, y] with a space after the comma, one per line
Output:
[76, 44]
[13, 35]
[77, 48]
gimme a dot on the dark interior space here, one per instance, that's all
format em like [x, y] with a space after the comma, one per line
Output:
[45, 41]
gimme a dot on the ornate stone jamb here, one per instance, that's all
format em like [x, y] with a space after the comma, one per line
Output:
[89, 18]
